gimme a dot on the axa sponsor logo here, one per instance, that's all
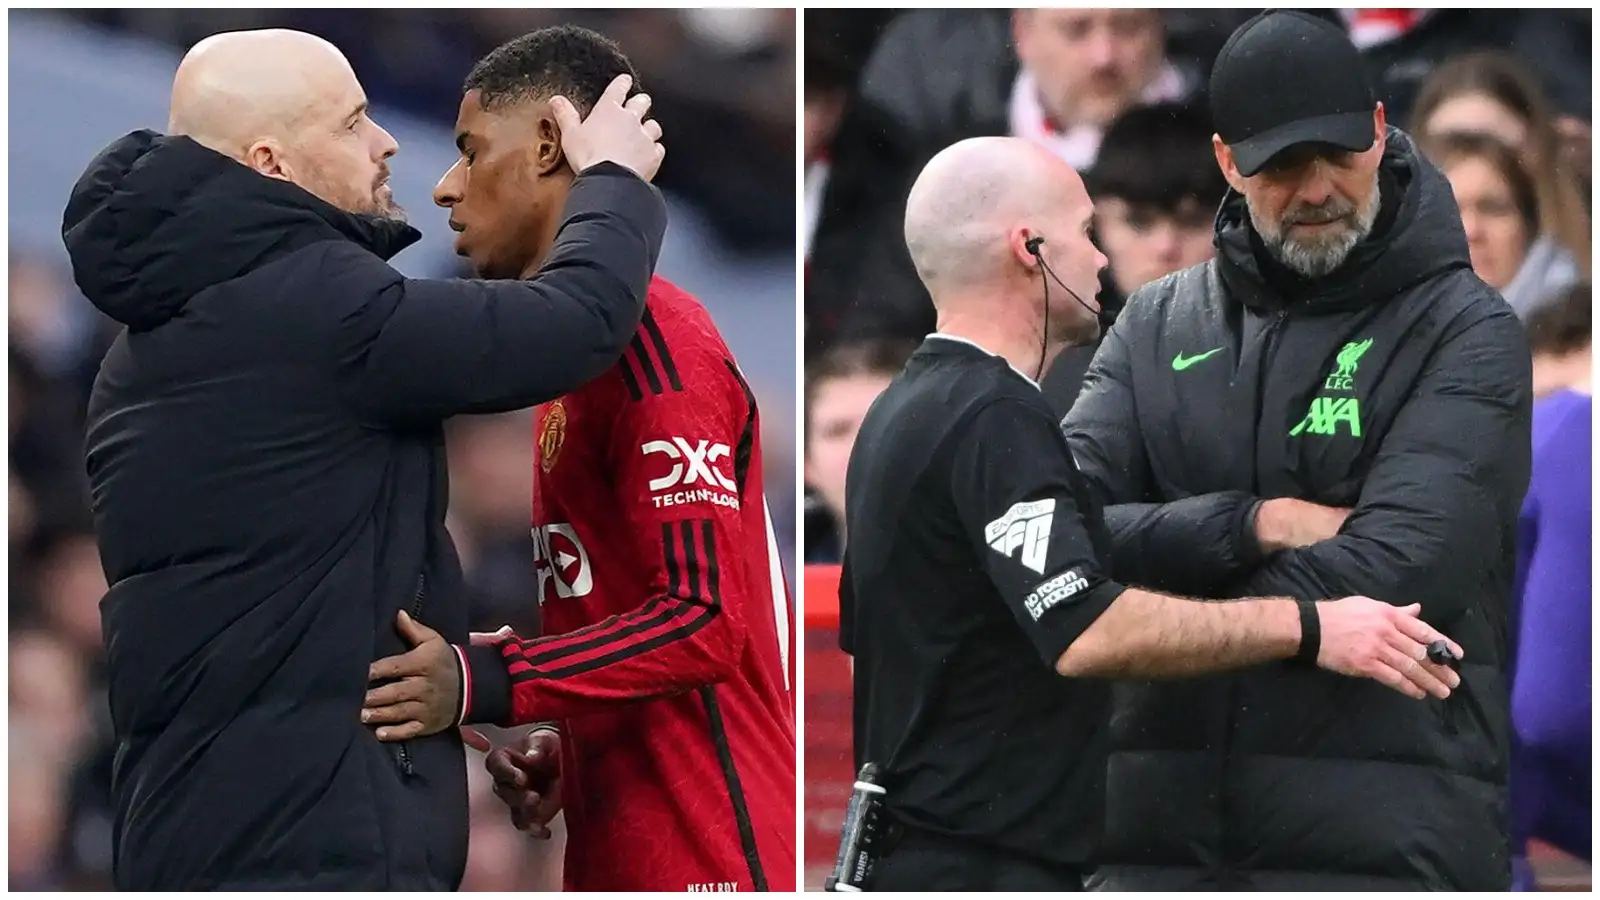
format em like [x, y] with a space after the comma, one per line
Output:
[1061, 588]
[1025, 526]
[560, 562]
[699, 473]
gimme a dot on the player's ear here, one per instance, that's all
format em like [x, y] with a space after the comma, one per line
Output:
[547, 155]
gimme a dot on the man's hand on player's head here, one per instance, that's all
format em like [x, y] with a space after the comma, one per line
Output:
[427, 695]
[614, 131]
[527, 778]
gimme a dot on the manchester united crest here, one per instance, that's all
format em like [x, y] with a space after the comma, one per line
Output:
[552, 434]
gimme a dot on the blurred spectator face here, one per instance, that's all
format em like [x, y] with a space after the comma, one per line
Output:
[71, 585]
[1091, 64]
[1145, 243]
[1311, 204]
[506, 191]
[1477, 113]
[21, 513]
[1497, 234]
[824, 108]
[1562, 371]
[491, 472]
[47, 686]
[34, 798]
[339, 154]
[837, 407]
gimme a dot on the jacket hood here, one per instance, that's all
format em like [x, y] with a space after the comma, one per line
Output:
[155, 220]
[1418, 236]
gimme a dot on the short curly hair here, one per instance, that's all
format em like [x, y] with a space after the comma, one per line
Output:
[564, 60]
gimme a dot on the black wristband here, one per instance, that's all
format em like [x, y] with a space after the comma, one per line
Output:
[1310, 633]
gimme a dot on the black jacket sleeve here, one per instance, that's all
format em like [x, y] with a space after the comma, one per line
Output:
[1191, 546]
[1443, 494]
[1012, 480]
[1194, 546]
[417, 350]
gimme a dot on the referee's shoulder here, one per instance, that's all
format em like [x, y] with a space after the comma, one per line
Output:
[993, 385]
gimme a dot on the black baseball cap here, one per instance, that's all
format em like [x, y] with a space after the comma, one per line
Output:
[1287, 78]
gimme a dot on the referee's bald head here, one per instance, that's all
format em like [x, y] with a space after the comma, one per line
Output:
[968, 199]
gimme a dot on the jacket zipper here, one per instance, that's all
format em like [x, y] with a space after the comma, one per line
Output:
[1224, 870]
[416, 612]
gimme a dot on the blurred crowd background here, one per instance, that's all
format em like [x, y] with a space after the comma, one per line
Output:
[1501, 102]
[723, 83]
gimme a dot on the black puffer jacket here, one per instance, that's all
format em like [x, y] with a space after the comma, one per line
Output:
[269, 487]
[1400, 385]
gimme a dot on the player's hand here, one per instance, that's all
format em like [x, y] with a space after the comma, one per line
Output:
[426, 698]
[527, 778]
[1368, 638]
[615, 131]
[1287, 524]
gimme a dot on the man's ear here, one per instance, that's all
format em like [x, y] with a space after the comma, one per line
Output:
[547, 154]
[1225, 162]
[266, 157]
[1017, 241]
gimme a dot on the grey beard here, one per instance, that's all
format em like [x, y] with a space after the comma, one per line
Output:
[1314, 259]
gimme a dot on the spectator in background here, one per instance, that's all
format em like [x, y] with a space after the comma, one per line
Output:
[491, 480]
[1081, 69]
[840, 387]
[1491, 93]
[1057, 77]
[1551, 785]
[1156, 190]
[1399, 47]
[1559, 335]
[1500, 212]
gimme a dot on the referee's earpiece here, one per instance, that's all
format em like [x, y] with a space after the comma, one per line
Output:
[1032, 246]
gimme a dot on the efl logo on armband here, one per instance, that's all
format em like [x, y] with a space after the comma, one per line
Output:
[1025, 525]
[698, 474]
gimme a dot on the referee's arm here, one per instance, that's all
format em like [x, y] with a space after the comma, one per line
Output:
[1012, 480]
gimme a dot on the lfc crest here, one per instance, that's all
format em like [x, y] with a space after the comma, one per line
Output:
[552, 434]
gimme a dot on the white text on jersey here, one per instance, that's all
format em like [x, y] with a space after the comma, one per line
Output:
[1062, 587]
[693, 462]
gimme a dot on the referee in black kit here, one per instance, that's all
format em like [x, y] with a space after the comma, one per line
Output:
[972, 580]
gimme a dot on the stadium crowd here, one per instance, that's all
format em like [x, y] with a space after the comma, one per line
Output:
[1498, 101]
[723, 78]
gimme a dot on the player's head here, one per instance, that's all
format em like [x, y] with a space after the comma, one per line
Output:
[970, 220]
[288, 105]
[506, 191]
[1300, 135]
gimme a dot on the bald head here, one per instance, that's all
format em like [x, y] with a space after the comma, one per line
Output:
[971, 196]
[288, 105]
[238, 87]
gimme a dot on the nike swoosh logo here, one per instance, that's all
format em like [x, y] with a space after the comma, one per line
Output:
[1181, 362]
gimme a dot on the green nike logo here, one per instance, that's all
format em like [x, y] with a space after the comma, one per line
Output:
[1181, 362]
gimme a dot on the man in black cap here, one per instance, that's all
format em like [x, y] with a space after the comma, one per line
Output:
[1334, 405]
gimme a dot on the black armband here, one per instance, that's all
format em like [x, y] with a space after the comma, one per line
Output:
[1310, 633]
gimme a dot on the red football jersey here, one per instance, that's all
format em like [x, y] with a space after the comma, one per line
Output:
[667, 620]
